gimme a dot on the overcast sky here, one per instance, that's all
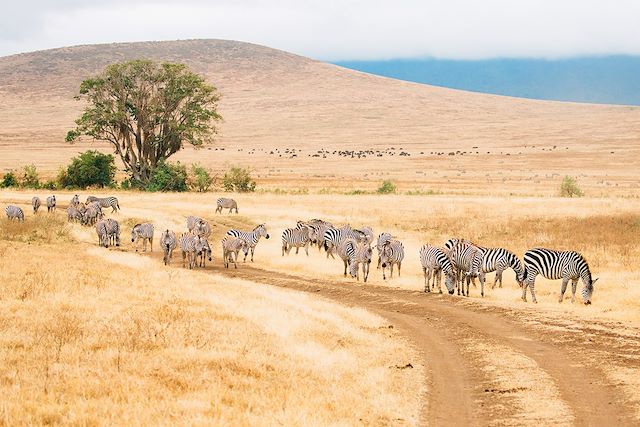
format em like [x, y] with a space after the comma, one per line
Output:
[338, 30]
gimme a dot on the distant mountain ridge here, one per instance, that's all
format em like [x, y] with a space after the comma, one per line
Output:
[601, 80]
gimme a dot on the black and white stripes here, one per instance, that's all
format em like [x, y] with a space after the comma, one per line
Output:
[251, 237]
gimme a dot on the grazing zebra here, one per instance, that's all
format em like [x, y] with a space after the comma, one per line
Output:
[462, 255]
[346, 250]
[75, 200]
[565, 265]
[168, 242]
[101, 231]
[51, 203]
[113, 231]
[382, 239]
[82, 208]
[498, 260]
[105, 202]
[333, 237]
[91, 215]
[35, 202]
[363, 256]
[296, 238]
[188, 243]
[392, 253]
[230, 248]
[251, 237]
[435, 262]
[143, 232]
[73, 214]
[14, 212]
[203, 250]
[224, 203]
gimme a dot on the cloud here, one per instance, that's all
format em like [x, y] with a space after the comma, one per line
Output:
[339, 30]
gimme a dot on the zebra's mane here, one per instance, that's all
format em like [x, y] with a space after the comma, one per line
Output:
[258, 226]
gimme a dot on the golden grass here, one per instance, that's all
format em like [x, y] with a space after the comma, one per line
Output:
[95, 336]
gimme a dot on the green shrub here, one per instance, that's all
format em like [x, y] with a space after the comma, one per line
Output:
[9, 180]
[167, 177]
[30, 177]
[90, 168]
[51, 185]
[387, 187]
[238, 179]
[569, 188]
[200, 179]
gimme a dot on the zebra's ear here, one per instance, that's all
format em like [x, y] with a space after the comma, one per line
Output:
[594, 280]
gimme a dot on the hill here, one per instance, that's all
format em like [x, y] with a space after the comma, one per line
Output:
[281, 109]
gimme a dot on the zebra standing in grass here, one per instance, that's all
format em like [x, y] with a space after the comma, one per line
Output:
[462, 256]
[224, 203]
[367, 235]
[203, 250]
[143, 232]
[435, 262]
[35, 202]
[296, 238]
[91, 215]
[565, 265]
[73, 214]
[230, 248]
[105, 202]
[333, 237]
[14, 212]
[251, 237]
[101, 231]
[382, 239]
[51, 203]
[317, 234]
[498, 260]
[168, 242]
[82, 208]
[346, 250]
[75, 200]
[199, 226]
[363, 256]
[392, 253]
[113, 231]
[188, 243]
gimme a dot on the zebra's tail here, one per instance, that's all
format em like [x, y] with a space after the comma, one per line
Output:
[118, 205]
[326, 246]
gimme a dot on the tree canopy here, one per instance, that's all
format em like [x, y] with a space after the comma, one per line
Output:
[147, 111]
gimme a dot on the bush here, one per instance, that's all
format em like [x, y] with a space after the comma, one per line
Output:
[51, 185]
[9, 180]
[167, 177]
[89, 168]
[201, 179]
[387, 187]
[30, 177]
[238, 179]
[569, 188]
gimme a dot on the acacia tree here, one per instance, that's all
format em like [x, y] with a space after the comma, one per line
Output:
[147, 111]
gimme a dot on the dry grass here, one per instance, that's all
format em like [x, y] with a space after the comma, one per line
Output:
[107, 337]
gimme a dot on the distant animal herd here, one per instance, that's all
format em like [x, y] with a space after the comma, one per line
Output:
[461, 261]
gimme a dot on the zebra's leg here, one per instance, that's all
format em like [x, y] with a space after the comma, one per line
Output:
[151, 243]
[426, 283]
[345, 267]
[306, 248]
[574, 287]
[565, 281]
[481, 278]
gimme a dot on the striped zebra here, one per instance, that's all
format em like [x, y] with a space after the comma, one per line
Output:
[91, 215]
[51, 203]
[169, 242]
[143, 232]
[296, 238]
[113, 231]
[435, 262]
[101, 231]
[346, 250]
[462, 256]
[317, 234]
[82, 208]
[368, 235]
[251, 237]
[199, 226]
[392, 253]
[224, 203]
[73, 215]
[230, 248]
[105, 202]
[188, 243]
[203, 250]
[565, 265]
[363, 257]
[382, 239]
[75, 200]
[498, 260]
[333, 237]
[14, 212]
[35, 202]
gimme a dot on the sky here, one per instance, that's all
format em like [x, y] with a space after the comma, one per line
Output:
[338, 30]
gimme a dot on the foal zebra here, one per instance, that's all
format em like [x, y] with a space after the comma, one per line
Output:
[168, 242]
[435, 262]
[230, 248]
[296, 238]
[565, 265]
[143, 232]
[188, 243]
[392, 253]
[203, 250]
[51, 203]
[251, 237]
[35, 202]
[101, 231]
[105, 202]
[225, 203]
[498, 260]
[14, 212]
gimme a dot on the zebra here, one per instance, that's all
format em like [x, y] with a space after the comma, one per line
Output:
[251, 237]
[105, 202]
[188, 243]
[333, 237]
[498, 260]
[202, 228]
[14, 212]
[382, 239]
[168, 242]
[363, 256]
[435, 262]
[296, 237]
[82, 208]
[91, 215]
[346, 250]
[35, 202]
[392, 253]
[75, 200]
[73, 214]
[317, 234]
[103, 235]
[143, 232]
[367, 235]
[565, 265]
[51, 203]
[113, 231]
[462, 256]
[203, 250]
[226, 204]
[230, 247]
